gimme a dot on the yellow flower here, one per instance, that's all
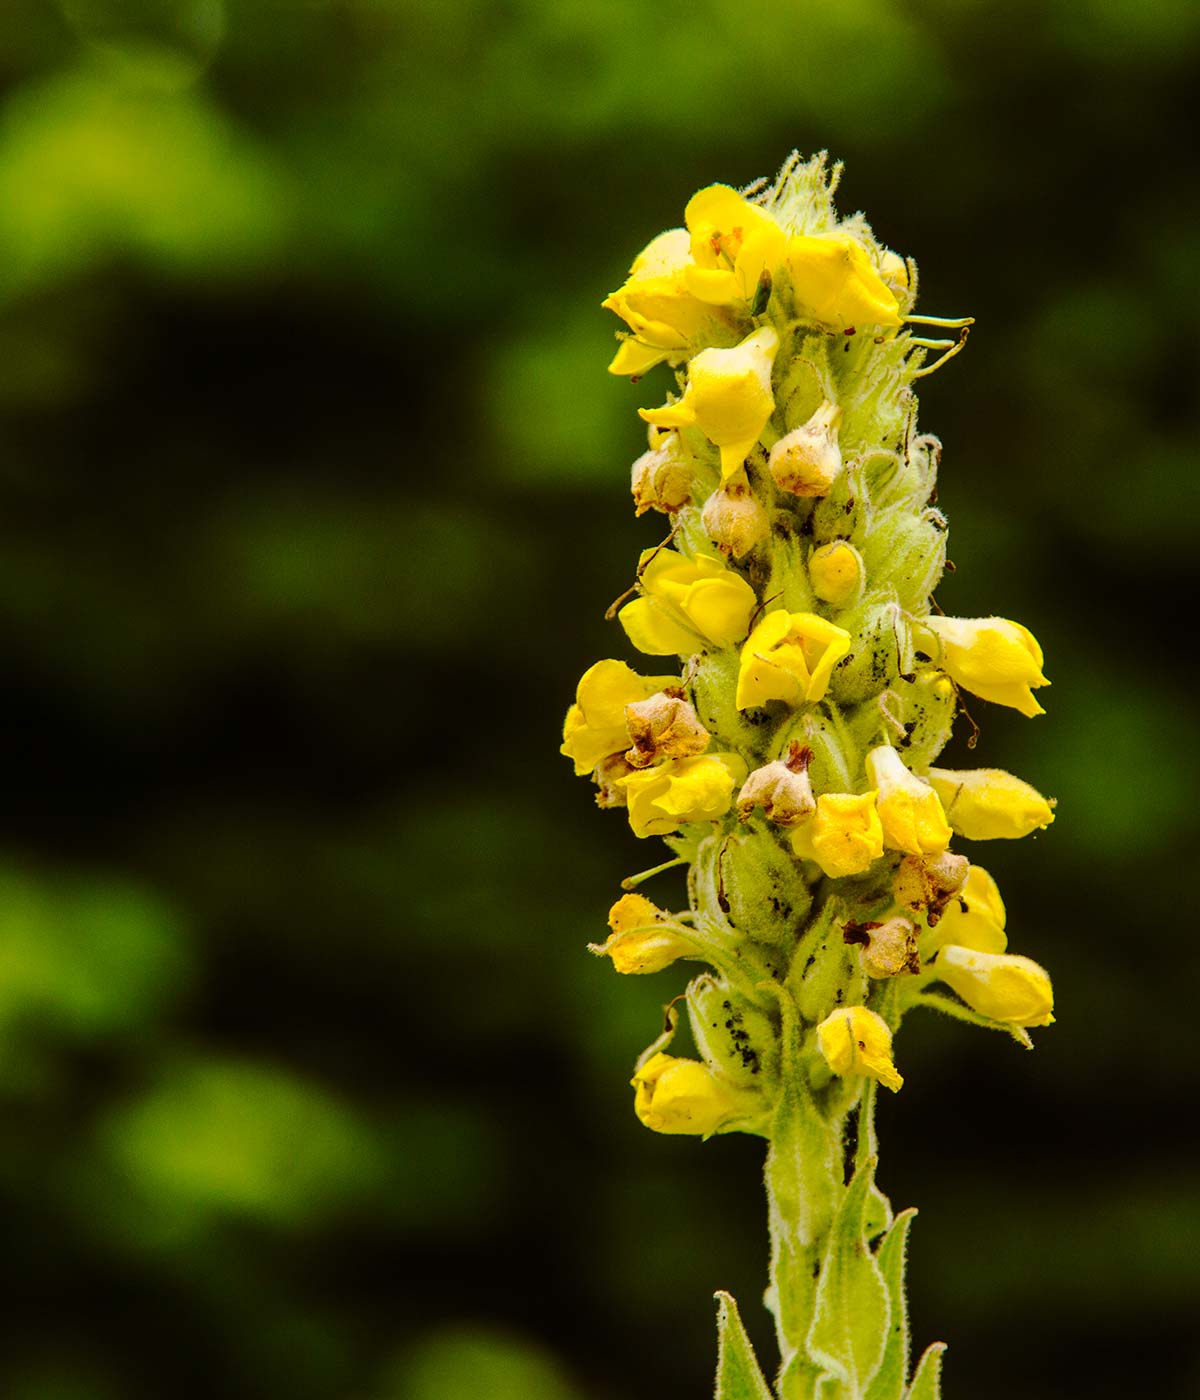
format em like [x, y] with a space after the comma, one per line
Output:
[844, 835]
[681, 790]
[985, 804]
[644, 938]
[1001, 986]
[595, 725]
[973, 918]
[688, 604]
[835, 572]
[736, 246]
[993, 658]
[857, 1041]
[655, 303]
[681, 1096]
[789, 657]
[909, 809]
[728, 397]
[834, 282]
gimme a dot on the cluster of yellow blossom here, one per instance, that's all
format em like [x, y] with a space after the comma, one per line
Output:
[817, 687]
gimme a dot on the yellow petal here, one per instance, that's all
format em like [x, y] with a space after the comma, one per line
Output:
[681, 1096]
[1002, 986]
[910, 811]
[854, 1040]
[833, 280]
[789, 657]
[988, 804]
[654, 629]
[844, 835]
[633, 358]
[992, 657]
[663, 256]
[974, 918]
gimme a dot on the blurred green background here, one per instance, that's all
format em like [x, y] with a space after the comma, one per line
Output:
[314, 491]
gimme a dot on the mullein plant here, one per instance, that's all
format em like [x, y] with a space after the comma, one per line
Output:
[787, 752]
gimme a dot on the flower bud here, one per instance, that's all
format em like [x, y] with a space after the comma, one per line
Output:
[854, 1040]
[681, 1096]
[728, 397]
[844, 835]
[789, 657]
[974, 917]
[664, 726]
[987, 804]
[836, 573]
[993, 658]
[1001, 986]
[927, 710]
[681, 790]
[888, 949]
[881, 651]
[894, 271]
[925, 884]
[908, 553]
[782, 789]
[909, 809]
[644, 938]
[760, 888]
[808, 460]
[732, 1035]
[733, 519]
[662, 477]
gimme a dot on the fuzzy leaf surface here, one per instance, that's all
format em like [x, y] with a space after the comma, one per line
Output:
[738, 1373]
[852, 1313]
[891, 1257]
[927, 1383]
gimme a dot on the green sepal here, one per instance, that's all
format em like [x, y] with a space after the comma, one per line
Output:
[891, 1256]
[852, 1311]
[738, 1374]
[762, 886]
[960, 1012]
[927, 1383]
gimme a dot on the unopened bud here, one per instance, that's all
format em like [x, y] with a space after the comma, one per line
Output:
[894, 271]
[926, 884]
[836, 573]
[782, 789]
[733, 518]
[733, 1036]
[662, 477]
[664, 726]
[888, 949]
[808, 460]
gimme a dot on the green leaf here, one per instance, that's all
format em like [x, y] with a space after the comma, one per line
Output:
[738, 1373]
[927, 1383]
[852, 1312]
[893, 1369]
